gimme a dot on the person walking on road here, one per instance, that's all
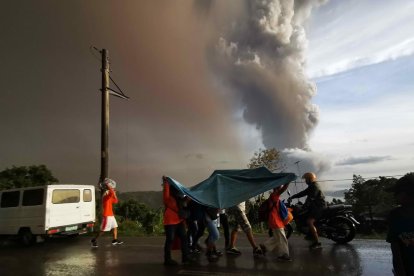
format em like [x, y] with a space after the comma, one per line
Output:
[315, 203]
[238, 219]
[195, 226]
[278, 241]
[401, 226]
[224, 222]
[210, 217]
[108, 219]
[173, 225]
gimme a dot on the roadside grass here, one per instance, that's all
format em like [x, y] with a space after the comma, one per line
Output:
[130, 228]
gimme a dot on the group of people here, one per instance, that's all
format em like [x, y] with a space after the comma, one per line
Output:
[187, 220]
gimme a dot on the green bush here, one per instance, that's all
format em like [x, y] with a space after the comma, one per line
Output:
[131, 228]
[134, 219]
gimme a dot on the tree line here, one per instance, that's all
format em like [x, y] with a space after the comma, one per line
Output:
[368, 198]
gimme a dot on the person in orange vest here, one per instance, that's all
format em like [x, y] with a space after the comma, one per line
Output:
[173, 224]
[278, 241]
[108, 219]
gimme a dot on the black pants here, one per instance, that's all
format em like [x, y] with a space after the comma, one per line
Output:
[225, 223]
[194, 227]
[170, 232]
[199, 232]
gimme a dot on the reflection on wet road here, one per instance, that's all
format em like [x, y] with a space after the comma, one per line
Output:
[143, 256]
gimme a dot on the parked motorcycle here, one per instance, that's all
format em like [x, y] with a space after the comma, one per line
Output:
[336, 222]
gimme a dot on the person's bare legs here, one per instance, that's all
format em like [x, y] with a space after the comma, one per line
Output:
[115, 233]
[98, 235]
[233, 238]
[249, 235]
[313, 230]
[94, 241]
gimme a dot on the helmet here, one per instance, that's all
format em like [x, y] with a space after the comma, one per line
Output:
[109, 182]
[309, 177]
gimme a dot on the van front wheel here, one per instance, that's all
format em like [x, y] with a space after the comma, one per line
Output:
[26, 237]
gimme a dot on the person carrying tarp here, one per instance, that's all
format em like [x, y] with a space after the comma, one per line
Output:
[173, 224]
[278, 241]
[237, 220]
[210, 219]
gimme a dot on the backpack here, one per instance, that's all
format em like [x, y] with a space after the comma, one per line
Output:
[264, 210]
[284, 213]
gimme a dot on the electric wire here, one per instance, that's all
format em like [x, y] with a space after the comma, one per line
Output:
[93, 53]
[351, 179]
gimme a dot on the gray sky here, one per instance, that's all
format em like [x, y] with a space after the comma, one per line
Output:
[360, 55]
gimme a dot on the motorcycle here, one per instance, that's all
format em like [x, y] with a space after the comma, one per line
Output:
[336, 222]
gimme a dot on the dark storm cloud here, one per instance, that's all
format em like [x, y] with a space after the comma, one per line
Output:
[362, 160]
[164, 55]
[50, 110]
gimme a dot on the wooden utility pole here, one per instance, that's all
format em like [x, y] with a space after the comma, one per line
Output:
[104, 115]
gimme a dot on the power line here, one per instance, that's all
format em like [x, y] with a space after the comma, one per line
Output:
[351, 179]
[93, 53]
[346, 179]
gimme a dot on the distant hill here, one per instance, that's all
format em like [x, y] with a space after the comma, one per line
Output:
[336, 194]
[152, 199]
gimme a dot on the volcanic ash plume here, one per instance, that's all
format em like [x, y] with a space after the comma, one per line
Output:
[260, 59]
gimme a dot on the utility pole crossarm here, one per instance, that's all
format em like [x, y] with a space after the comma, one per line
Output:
[117, 94]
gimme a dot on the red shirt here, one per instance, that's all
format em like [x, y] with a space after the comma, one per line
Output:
[171, 207]
[108, 199]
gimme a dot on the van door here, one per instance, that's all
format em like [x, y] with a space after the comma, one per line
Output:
[32, 210]
[87, 210]
[65, 207]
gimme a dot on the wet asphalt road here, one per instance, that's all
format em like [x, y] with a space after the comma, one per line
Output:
[143, 256]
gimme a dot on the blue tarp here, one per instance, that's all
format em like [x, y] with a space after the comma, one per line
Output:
[227, 188]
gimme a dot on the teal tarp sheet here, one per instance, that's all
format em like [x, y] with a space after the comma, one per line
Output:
[227, 188]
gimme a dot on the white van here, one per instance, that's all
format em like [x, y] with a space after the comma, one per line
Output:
[61, 209]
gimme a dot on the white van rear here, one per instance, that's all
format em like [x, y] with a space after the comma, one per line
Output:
[61, 209]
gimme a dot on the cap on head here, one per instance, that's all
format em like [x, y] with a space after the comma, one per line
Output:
[110, 182]
[309, 177]
[404, 184]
